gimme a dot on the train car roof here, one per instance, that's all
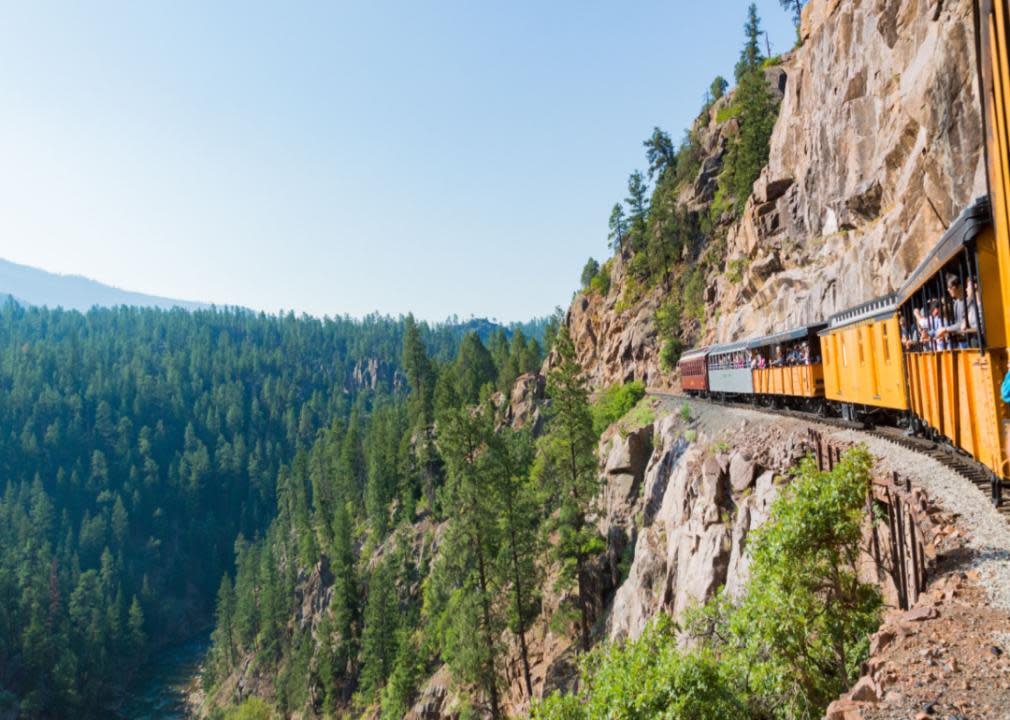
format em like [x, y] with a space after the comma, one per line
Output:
[692, 354]
[727, 348]
[781, 337]
[967, 227]
[876, 308]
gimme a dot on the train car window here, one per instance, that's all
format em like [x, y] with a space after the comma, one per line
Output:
[859, 345]
[887, 347]
[845, 355]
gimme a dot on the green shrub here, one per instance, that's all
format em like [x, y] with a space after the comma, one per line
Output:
[600, 284]
[727, 112]
[650, 678]
[802, 629]
[251, 709]
[735, 269]
[694, 293]
[670, 353]
[668, 327]
[614, 402]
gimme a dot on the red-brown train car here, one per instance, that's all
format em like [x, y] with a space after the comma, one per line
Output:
[694, 371]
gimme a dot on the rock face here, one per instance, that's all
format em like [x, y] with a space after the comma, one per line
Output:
[524, 402]
[696, 511]
[612, 345]
[373, 373]
[876, 149]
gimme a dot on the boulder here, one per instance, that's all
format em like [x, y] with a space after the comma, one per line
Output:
[742, 471]
[629, 454]
[865, 690]
[844, 709]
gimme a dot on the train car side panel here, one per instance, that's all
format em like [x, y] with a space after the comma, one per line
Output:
[994, 82]
[864, 365]
[693, 371]
[729, 370]
[796, 380]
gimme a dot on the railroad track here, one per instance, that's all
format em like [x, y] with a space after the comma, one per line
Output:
[951, 458]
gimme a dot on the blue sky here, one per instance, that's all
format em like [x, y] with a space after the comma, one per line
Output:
[434, 157]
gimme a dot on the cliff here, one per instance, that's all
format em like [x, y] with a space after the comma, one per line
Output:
[875, 150]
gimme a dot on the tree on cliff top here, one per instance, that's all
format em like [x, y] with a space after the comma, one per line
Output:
[638, 206]
[660, 153]
[618, 228]
[796, 8]
[589, 271]
[751, 56]
[756, 112]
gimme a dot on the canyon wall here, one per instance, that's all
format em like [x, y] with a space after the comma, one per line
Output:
[876, 149]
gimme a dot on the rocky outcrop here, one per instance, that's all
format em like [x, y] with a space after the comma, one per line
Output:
[696, 511]
[373, 373]
[615, 345]
[876, 150]
[524, 403]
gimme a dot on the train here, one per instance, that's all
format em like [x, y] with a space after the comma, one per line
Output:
[930, 356]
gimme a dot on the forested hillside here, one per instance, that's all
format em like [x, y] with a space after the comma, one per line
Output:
[332, 611]
[142, 447]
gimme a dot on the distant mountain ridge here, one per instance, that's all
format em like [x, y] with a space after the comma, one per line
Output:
[33, 286]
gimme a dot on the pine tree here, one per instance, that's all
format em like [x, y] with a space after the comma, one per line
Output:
[378, 639]
[223, 637]
[796, 8]
[618, 229]
[345, 606]
[135, 628]
[473, 540]
[660, 153]
[420, 374]
[510, 454]
[751, 57]
[718, 88]
[589, 271]
[474, 368]
[399, 692]
[571, 470]
[638, 207]
[748, 153]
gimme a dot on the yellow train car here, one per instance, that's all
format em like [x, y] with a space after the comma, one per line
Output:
[956, 357]
[992, 19]
[863, 368]
[788, 365]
